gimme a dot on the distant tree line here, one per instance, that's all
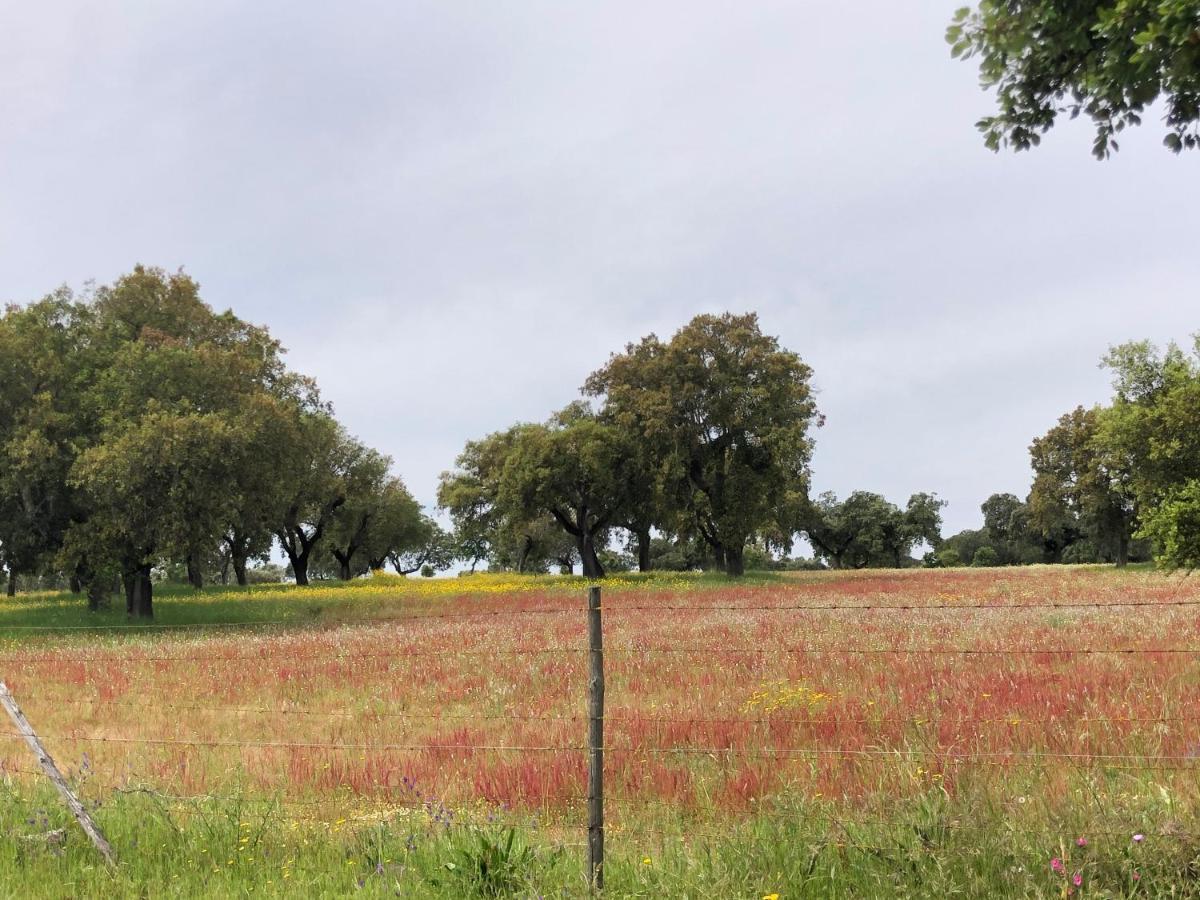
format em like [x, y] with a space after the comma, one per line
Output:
[1112, 483]
[143, 432]
[139, 429]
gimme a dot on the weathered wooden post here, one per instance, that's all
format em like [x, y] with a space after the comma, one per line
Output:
[51, 770]
[595, 742]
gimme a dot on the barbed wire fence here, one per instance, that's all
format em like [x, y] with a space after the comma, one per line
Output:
[592, 800]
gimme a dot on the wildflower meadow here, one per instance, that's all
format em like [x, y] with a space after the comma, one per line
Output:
[1026, 732]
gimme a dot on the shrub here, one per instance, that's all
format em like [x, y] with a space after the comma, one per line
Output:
[985, 556]
[1081, 552]
[268, 573]
[757, 559]
[950, 557]
[616, 561]
[804, 564]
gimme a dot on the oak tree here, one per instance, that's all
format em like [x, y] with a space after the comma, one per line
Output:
[1152, 430]
[576, 468]
[726, 412]
[1080, 487]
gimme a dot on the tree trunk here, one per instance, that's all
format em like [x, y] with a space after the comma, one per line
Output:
[194, 575]
[75, 584]
[719, 555]
[523, 558]
[299, 563]
[239, 569]
[127, 580]
[343, 560]
[143, 594]
[587, 553]
[1123, 550]
[234, 554]
[97, 597]
[12, 583]
[734, 563]
[643, 545]
[297, 548]
[401, 570]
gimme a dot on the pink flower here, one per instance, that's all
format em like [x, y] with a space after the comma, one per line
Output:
[1081, 842]
[1138, 838]
[1137, 876]
[1077, 880]
[1056, 865]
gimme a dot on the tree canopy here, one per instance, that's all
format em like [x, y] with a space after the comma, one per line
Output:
[1079, 488]
[140, 428]
[576, 469]
[1152, 430]
[867, 530]
[727, 413]
[705, 435]
[1108, 61]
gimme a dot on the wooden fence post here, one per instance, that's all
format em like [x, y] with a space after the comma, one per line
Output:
[51, 770]
[595, 742]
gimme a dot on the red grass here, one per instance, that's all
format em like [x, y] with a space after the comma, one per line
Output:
[947, 718]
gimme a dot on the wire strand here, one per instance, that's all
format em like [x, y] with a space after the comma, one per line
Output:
[943, 753]
[918, 720]
[336, 655]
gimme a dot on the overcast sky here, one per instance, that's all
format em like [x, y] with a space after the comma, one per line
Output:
[450, 212]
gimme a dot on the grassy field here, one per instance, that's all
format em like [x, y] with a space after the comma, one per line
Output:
[998, 732]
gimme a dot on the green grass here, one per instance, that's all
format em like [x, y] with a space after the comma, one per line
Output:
[933, 848]
[323, 602]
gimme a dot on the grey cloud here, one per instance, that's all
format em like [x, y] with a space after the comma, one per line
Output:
[452, 212]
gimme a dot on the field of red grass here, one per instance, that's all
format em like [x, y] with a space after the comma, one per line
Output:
[862, 690]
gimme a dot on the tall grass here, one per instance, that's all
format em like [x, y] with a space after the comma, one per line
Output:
[933, 847]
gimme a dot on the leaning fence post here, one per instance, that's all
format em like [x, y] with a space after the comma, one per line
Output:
[595, 742]
[51, 770]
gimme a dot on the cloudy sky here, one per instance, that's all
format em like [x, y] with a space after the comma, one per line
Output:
[451, 212]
